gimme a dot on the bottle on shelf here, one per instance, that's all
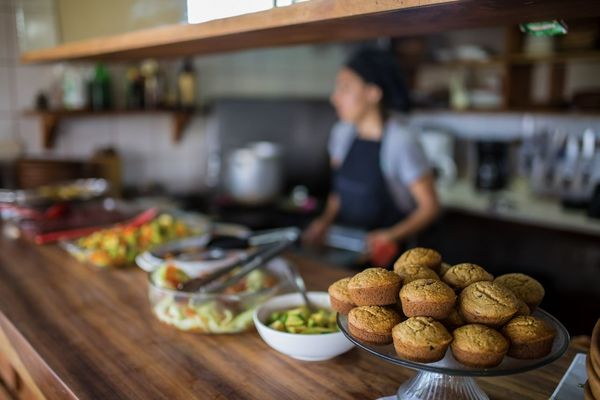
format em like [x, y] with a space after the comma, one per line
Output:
[135, 89]
[55, 91]
[100, 92]
[73, 89]
[186, 85]
[153, 84]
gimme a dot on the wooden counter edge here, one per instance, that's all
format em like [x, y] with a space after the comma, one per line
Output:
[36, 375]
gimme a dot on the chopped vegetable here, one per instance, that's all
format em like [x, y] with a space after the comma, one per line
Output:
[118, 246]
[170, 277]
[301, 320]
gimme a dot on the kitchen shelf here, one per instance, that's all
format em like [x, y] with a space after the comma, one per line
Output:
[313, 22]
[484, 63]
[529, 110]
[511, 59]
[50, 120]
[558, 57]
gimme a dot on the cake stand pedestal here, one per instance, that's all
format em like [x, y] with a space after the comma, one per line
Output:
[449, 379]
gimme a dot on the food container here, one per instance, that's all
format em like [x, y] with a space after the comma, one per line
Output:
[192, 256]
[47, 195]
[317, 347]
[216, 313]
[118, 247]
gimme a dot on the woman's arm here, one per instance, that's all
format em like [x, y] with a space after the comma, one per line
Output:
[423, 191]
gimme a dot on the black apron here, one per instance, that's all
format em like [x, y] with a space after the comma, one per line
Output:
[365, 200]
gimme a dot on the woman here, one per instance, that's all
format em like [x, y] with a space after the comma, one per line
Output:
[382, 181]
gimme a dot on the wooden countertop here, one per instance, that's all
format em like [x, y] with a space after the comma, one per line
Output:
[521, 206]
[77, 332]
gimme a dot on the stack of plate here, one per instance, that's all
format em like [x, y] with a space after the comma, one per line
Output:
[592, 386]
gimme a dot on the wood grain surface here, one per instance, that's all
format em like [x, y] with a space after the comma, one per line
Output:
[313, 22]
[77, 332]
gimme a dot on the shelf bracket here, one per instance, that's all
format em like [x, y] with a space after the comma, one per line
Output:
[181, 120]
[49, 128]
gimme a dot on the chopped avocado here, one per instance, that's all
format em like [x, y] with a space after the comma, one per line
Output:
[294, 320]
[278, 325]
[301, 320]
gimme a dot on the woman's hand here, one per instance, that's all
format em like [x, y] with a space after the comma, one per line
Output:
[381, 246]
[315, 234]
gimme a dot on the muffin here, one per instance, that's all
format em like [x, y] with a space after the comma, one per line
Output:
[373, 324]
[427, 298]
[444, 267]
[478, 346]
[411, 272]
[453, 320]
[530, 337]
[593, 378]
[339, 296]
[523, 308]
[374, 287]
[587, 392]
[487, 303]
[460, 276]
[421, 339]
[420, 255]
[524, 287]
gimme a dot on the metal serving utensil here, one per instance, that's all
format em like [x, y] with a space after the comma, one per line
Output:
[258, 260]
[250, 261]
[301, 287]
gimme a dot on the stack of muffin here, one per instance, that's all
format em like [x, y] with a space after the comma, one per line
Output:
[425, 306]
[592, 386]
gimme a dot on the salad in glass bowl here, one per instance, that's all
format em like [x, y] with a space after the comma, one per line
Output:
[229, 311]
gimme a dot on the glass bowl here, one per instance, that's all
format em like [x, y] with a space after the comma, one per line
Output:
[216, 313]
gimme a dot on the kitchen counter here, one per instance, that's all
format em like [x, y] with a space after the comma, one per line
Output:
[517, 204]
[71, 331]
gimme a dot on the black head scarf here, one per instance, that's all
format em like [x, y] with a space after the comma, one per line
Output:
[380, 68]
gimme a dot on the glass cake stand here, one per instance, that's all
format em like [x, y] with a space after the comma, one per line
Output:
[449, 379]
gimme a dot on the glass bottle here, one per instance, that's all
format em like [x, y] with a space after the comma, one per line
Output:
[186, 85]
[100, 96]
[135, 89]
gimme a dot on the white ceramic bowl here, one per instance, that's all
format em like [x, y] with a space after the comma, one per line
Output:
[299, 346]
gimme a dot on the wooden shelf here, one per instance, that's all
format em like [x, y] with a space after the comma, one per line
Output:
[555, 57]
[495, 62]
[312, 22]
[533, 110]
[512, 59]
[50, 120]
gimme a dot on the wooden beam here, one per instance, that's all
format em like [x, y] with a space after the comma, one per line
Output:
[313, 22]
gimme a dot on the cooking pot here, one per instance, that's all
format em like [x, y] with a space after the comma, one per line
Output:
[254, 173]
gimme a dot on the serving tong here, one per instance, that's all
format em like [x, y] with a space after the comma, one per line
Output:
[268, 245]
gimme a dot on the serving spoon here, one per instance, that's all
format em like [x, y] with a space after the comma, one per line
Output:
[301, 287]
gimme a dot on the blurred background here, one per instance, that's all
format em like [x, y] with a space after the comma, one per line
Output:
[510, 121]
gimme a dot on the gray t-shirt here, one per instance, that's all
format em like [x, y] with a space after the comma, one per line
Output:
[402, 158]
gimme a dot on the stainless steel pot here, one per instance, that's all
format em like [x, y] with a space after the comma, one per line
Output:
[254, 173]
